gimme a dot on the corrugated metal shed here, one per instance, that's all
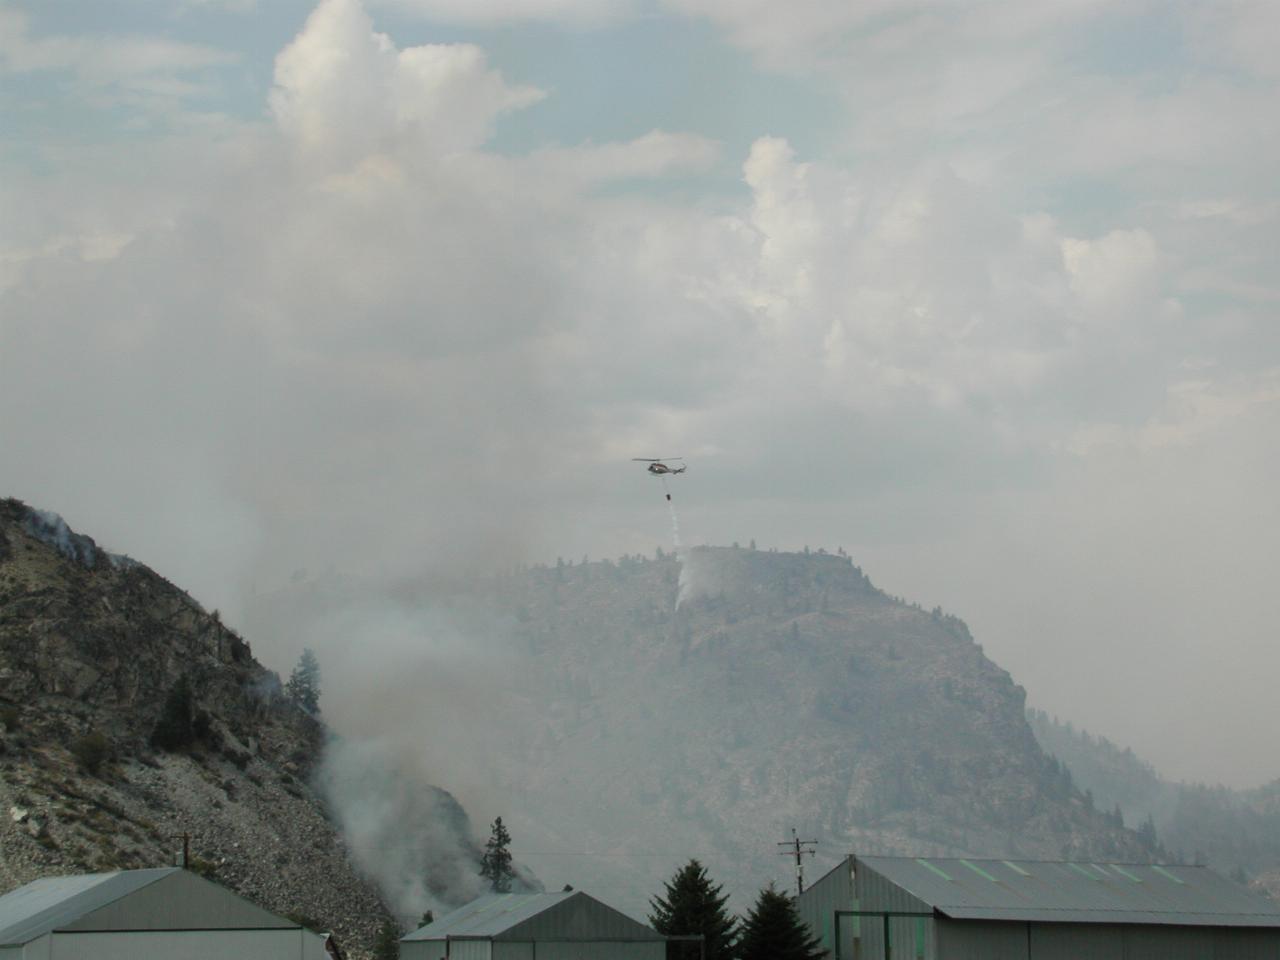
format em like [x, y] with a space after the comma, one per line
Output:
[515, 916]
[44, 905]
[1066, 892]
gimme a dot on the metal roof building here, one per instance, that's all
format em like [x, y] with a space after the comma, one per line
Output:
[165, 914]
[903, 908]
[535, 926]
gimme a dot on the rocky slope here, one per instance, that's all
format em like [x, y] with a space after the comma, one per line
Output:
[782, 690]
[91, 647]
[1236, 831]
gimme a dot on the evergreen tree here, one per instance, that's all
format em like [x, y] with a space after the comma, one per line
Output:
[694, 905]
[774, 931]
[303, 685]
[173, 729]
[495, 865]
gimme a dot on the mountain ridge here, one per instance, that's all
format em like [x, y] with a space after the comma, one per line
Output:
[1235, 831]
[647, 709]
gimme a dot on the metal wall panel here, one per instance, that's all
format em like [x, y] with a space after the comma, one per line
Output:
[1168, 943]
[982, 940]
[588, 950]
[1098, 941]
[1246, 944]
[38, 949]
[181, 945]
[1075, 941]
[908, 939]
[817, 907]
[509, 951]
[436, 950]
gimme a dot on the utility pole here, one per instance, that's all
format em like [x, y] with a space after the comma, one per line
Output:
[185, 837]
[795, 847]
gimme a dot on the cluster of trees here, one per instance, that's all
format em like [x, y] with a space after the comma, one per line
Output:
[181, 721]
[694, 907]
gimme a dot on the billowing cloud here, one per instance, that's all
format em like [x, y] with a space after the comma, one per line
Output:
[342, 88]
[347, 330]
[582, 12]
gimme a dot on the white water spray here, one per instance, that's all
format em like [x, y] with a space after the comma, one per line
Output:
[685, 582]
[675, 522]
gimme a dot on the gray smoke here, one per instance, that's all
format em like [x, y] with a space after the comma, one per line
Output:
[49, 527]
[412, 838]
[425, 693]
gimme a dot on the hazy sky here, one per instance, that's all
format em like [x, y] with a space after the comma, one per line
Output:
[984, 292]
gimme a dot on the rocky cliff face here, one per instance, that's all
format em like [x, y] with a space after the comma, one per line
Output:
[91, 647]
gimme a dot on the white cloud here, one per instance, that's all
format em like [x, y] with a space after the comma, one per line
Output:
[345, 92]
[1193, 409]
[1115, 272]
[1237, 33]
[498, 11]
[657, 153]
[97, 60]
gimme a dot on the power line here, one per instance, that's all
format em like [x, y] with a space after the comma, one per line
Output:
[798, 848]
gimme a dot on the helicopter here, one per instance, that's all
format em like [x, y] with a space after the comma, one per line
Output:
[658, 468]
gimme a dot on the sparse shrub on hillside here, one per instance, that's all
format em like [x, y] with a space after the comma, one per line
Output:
[238, 758]
[10, 717]
[173, 730]
[387, 944]
[205, 868]
[303, 920]
[91, 751]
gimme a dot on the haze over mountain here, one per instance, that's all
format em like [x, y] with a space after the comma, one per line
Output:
[985, 292]
[624, 715]
[1235, 831]
[620, 715]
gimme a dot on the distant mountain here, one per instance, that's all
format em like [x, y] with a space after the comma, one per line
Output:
[1236, 831]
[651, 710]
[97, 653]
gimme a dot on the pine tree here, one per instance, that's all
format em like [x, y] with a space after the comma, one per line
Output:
[303, 685]
[774, 931]
[173, 729]
[495, 865]
[694, 905]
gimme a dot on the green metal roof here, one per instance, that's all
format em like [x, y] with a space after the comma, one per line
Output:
[54, 902]
[1068, 892]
